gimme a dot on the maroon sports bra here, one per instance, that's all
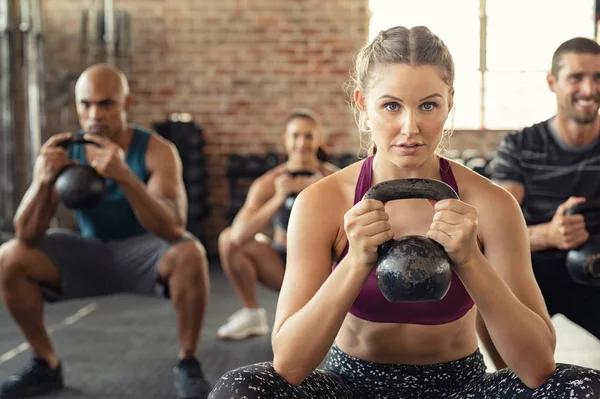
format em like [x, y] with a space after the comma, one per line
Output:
[371, 305]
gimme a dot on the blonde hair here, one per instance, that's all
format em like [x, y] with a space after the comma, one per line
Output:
[398, 45]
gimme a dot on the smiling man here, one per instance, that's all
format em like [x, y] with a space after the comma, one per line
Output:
[135, 241]
[551, 166]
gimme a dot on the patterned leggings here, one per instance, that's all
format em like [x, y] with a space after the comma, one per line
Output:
[347, 377]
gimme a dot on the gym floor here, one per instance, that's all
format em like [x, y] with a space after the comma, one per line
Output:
[125, 346]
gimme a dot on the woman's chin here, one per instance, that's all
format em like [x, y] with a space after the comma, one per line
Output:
[408, 162]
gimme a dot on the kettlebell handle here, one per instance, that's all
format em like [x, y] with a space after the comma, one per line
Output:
[406, 189]
[300, 172]
[410, 188]
[590, 209]
[587, 206]
[77, 139]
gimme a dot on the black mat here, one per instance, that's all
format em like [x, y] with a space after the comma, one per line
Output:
[126, 346]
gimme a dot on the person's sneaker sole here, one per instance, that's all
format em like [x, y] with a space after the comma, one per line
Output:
[247, 333]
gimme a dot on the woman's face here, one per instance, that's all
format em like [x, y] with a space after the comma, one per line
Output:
[406, 108]
[301, 138]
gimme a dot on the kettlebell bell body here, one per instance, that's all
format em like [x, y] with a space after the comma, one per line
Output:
[583, 263]
[80, 186]
[413, 268]
[282, 217]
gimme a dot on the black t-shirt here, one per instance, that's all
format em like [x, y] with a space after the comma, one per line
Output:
[549, 169]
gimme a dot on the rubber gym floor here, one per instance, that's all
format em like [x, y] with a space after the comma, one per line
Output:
[125, 346]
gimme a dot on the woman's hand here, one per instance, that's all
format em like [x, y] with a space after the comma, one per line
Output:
[454, 226]
[366, 225]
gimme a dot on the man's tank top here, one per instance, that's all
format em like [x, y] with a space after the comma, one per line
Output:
[114, 218]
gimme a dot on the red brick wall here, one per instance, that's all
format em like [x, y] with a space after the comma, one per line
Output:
[237, 66]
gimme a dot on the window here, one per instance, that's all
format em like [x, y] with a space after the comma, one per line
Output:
[519, 36]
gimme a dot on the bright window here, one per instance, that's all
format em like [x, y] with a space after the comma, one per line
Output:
[520, 37]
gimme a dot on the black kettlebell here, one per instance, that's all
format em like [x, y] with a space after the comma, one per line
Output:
[583, 262]
[282, 217]
[413, 268]
[80, 186]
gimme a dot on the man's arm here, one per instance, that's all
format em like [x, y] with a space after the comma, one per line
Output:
[507, 172]
[35, 212]
[562, 232]
[39, 203]
[161, 204]
[538, 234]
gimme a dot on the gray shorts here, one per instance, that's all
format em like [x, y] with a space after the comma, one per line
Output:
[89, 267]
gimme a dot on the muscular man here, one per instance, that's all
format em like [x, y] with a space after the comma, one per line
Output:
[548, 168]
[247, 260]
[135, 241]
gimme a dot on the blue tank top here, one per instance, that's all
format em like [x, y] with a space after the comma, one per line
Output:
[371, 305]
[113, 218]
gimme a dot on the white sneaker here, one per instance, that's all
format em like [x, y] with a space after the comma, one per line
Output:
[244, 323]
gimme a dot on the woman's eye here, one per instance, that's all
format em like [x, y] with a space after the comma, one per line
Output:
[428, 106]
[391, 107]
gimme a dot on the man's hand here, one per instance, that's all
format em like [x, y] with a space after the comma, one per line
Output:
[108, 159]
[567, 231]
[52, 159]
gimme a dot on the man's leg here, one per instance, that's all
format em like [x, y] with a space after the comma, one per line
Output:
[52, 271]
[148, 265]
[245, 266]
[185, 268]
[22, 270]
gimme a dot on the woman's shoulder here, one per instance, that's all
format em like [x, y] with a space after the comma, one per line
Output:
[332, 190]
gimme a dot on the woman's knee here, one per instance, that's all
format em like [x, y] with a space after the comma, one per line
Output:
[225, 241]
[576, 379]
[251, 382]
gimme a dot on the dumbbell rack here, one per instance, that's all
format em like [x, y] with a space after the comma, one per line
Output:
[242, 170]
[188, 138]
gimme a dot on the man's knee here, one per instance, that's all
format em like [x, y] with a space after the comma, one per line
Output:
[254, 381]
[188, 258]
[12, 256]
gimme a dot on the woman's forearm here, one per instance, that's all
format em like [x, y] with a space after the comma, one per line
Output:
[305, 338]
[523, 338]
[245, 228]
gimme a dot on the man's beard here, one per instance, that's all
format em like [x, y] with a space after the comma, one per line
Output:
[580, 120]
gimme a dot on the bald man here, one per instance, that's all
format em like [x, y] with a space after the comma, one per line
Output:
[133, 242]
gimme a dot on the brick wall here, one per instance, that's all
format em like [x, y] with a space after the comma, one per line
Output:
[237, 66]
